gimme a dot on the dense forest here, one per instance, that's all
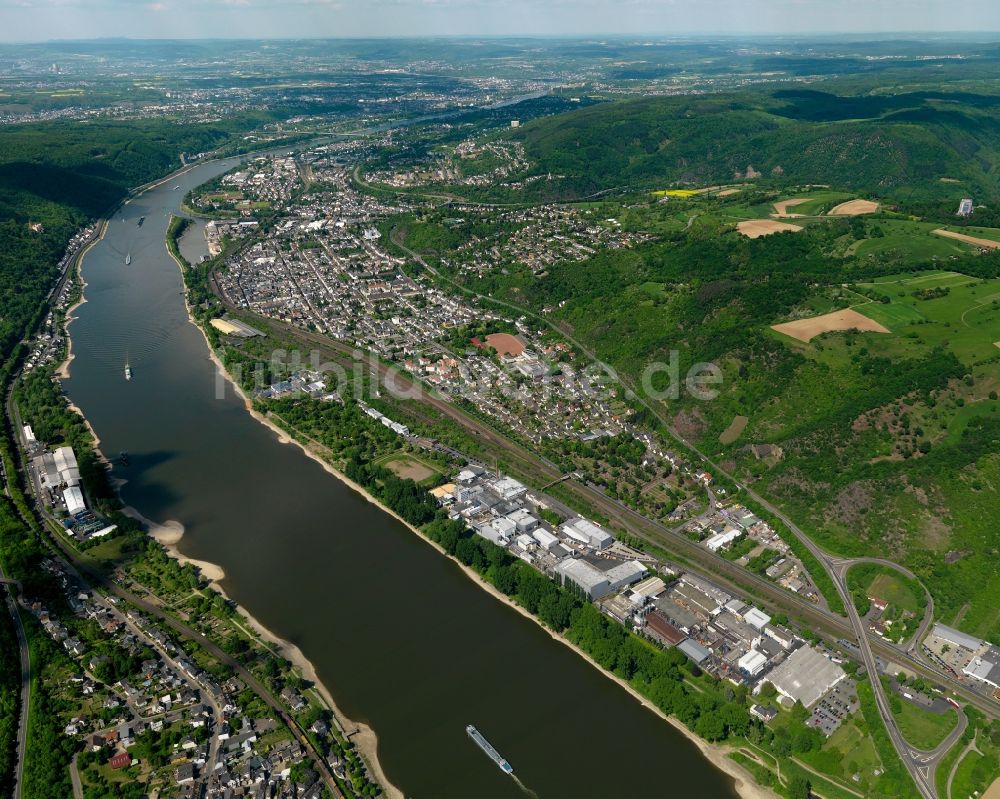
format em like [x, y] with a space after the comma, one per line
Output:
[882, 146]
[60, 175]
[10, 698]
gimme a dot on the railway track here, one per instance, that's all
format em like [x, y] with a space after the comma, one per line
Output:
[541, 472]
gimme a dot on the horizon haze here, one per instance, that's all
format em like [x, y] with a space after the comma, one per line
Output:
[48, 20]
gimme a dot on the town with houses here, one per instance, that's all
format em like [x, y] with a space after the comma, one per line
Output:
[324, 268]
[170, 721]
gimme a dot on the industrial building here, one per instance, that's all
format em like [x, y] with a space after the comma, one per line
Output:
[723, 539]
[985, 667]
[595, 581]
[757, 618]
[648, 589]
[752, 663]
[805, 676]
[545, 539]
[694, 650]
[585, 576]
[956, 638]
[524, 519]
[73, 498]
[658, 627]
[586, 532]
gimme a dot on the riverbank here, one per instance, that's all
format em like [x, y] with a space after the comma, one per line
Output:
[169, 535]
[63, 371]
[716, 755]
[361, 735]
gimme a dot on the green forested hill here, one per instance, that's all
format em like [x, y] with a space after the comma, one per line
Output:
[886, 146]
[888, 441]
[62, 174]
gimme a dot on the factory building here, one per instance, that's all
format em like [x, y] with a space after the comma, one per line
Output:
[586, 532]
[694, 650]
[545, 539]
[658, 627]
[757, 618]
[648, 589]
[985, 667]
[508, 488]
[585, 576]
[69, 471]
[525, 520]
[499, 531]
[625, 574]
[595, 581]
[805, 676]
[753, 662]
[73, 497]
[723, 539]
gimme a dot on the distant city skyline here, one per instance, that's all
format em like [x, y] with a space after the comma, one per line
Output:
[44, 20]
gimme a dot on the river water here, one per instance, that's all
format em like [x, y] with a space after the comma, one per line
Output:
[401, 637]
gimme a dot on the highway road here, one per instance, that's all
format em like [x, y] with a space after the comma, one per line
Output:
[920, 770]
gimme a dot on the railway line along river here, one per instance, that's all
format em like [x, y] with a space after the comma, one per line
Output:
[402, 638]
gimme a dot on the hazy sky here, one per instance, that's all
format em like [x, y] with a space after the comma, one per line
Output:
[36, 20]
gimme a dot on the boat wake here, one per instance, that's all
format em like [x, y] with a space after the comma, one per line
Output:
[523, 787]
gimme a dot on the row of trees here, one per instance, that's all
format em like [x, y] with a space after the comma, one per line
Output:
[10, 698]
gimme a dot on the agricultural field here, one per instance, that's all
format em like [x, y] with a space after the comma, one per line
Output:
[755, 228]
[808, 203]
[950, 310]
[854, 208]
[835, 322]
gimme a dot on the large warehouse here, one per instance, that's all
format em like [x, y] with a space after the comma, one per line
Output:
[805, 676]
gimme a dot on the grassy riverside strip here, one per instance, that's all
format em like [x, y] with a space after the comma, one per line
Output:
[196, 280]
[176, 228]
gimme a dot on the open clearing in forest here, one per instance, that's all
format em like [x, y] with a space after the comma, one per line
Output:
[848, 319]
[734, 431]
[409, 468]
[985, 243]
[854, 208]
[755, 228]
[781, 208]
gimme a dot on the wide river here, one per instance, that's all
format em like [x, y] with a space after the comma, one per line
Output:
[402, 638]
